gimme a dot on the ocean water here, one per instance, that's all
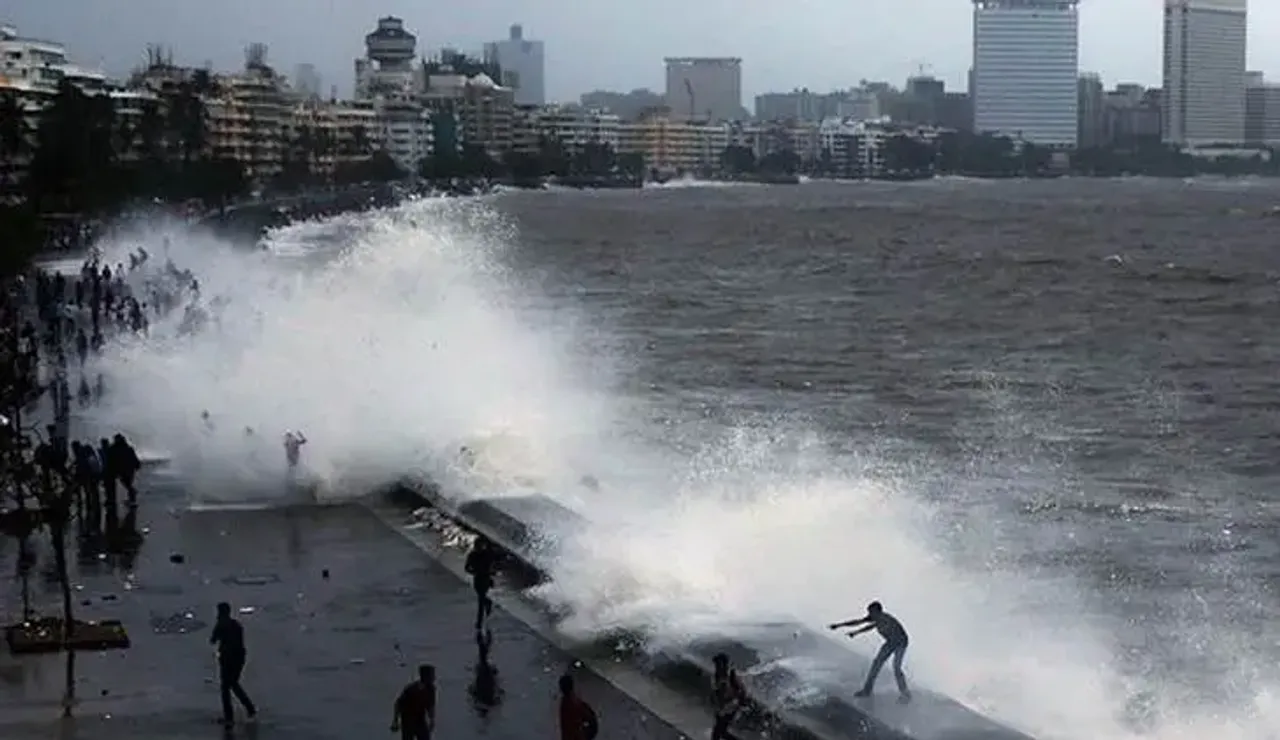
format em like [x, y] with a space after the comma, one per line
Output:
[1035, 419]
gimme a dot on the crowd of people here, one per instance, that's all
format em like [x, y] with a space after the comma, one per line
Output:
[51, 324]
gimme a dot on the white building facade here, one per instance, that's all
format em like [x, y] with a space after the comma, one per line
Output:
[1026, 70]
[30, 65]
[405, 133]
[577, 128]
[1205, 42]
[523, 65]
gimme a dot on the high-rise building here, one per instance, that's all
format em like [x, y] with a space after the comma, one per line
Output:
[523, 66]
[1025, 80]
[1092, 111]
[1204, 71]
[387, 69]
[705, 88]
[306, 81]
[1262, 112]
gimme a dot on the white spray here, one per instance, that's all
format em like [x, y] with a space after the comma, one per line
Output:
[394, 339]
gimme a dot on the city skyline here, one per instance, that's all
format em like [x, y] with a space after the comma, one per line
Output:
[1120, 39]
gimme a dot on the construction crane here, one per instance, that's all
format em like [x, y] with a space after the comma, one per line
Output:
[688, 86]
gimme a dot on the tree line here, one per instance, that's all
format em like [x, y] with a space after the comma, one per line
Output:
[90, 153]
[982, 155]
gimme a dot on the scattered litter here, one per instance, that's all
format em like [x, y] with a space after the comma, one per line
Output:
[108, 597]
[253, 580]
[176, 624]
[357, 661]
[246, 610]
[177, 558]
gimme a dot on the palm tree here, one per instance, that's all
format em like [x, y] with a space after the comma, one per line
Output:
[14, 133]
[72, 163]
[360, 144]
[323, 148]
[151, 132]
[189, 122]
[303, 145]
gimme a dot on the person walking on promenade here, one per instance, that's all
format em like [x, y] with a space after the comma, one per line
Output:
[228, 635]
[125, 465]
[414, 713]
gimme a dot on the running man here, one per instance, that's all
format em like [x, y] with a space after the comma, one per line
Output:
[228, 635]
[481, 563]
[895, 646]
[414, 715]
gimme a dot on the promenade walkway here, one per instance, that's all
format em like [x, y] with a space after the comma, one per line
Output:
[327, 655]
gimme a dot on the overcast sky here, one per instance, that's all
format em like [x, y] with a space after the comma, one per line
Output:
[611, 44]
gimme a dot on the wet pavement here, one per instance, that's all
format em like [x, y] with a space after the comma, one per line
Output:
[326, 654]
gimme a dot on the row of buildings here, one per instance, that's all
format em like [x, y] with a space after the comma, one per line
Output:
[260, 119]
[1025, 83]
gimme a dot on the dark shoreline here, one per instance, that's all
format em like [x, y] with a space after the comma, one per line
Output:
[251, 219]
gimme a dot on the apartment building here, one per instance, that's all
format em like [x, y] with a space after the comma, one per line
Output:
[575, 127]
[1025, 81]
[1262, 112]
[1205, 44]
[405, 132]
[705, 88]
[674, 147]
[485, 111]
[523, 66]
[251, 120]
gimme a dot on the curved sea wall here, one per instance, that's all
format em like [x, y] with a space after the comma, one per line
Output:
[528, 529]
[253, 218]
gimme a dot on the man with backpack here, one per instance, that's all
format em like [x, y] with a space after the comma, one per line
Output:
[577, 719]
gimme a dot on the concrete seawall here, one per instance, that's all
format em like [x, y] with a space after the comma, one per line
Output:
[770, 656]
[252, 219]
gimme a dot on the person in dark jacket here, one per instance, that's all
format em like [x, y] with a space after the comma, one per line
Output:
[578, 720]
[482, 561]
[125, 465]
[414, 714]
[107, 461]
[228, 635]
[727, 696]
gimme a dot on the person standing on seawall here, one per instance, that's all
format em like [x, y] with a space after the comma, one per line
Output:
[293, 442]
[727, 697]
[228, 635]
[895, 646]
